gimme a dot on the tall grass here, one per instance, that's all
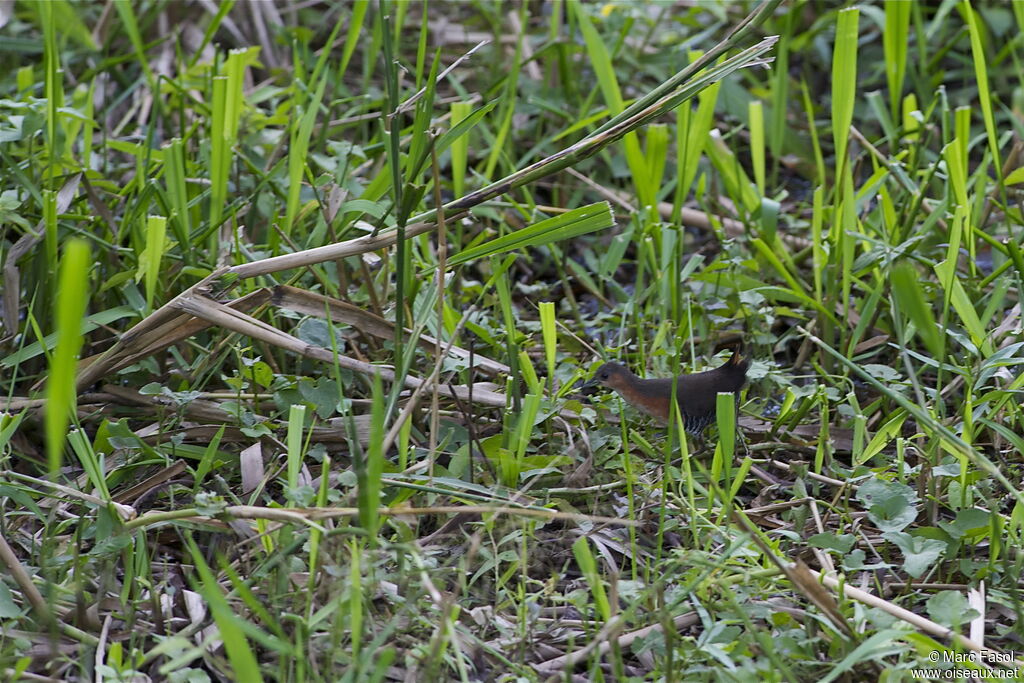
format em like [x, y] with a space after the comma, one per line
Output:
[295, 298]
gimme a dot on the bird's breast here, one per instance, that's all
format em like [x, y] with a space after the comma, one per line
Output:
[651, 402]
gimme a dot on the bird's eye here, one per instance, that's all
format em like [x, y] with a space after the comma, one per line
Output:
[604, 375]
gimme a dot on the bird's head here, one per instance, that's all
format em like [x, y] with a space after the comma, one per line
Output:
[612, 376]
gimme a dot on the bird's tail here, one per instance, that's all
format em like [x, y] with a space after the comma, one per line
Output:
[739, 359]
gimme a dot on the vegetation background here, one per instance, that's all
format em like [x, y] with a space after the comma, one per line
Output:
[295, 295]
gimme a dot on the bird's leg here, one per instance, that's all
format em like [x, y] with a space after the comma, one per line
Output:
[700, 444]
[743, 441]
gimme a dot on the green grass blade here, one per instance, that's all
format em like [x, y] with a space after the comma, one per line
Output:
[755, 112]
[355, 596]
[152, 257]
[177, 191]
[92, 463]
[906, 289]
[844, 81]
[206, 461]
[228, 104]
[459, 130]
[301, 131]
[656, 155]
[125, 10]
[460, 147]
[355, 25]
[240, 654]
[72, 298]
[964, 307]
[568, 225]
[296, 422]
[369, 472]
[737, 183]
[693, 128]
[588, 567]
[895, 41]
[601, 62]
[985, 95]
[550, 333]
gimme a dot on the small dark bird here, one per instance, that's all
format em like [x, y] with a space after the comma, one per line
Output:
[696, 394]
